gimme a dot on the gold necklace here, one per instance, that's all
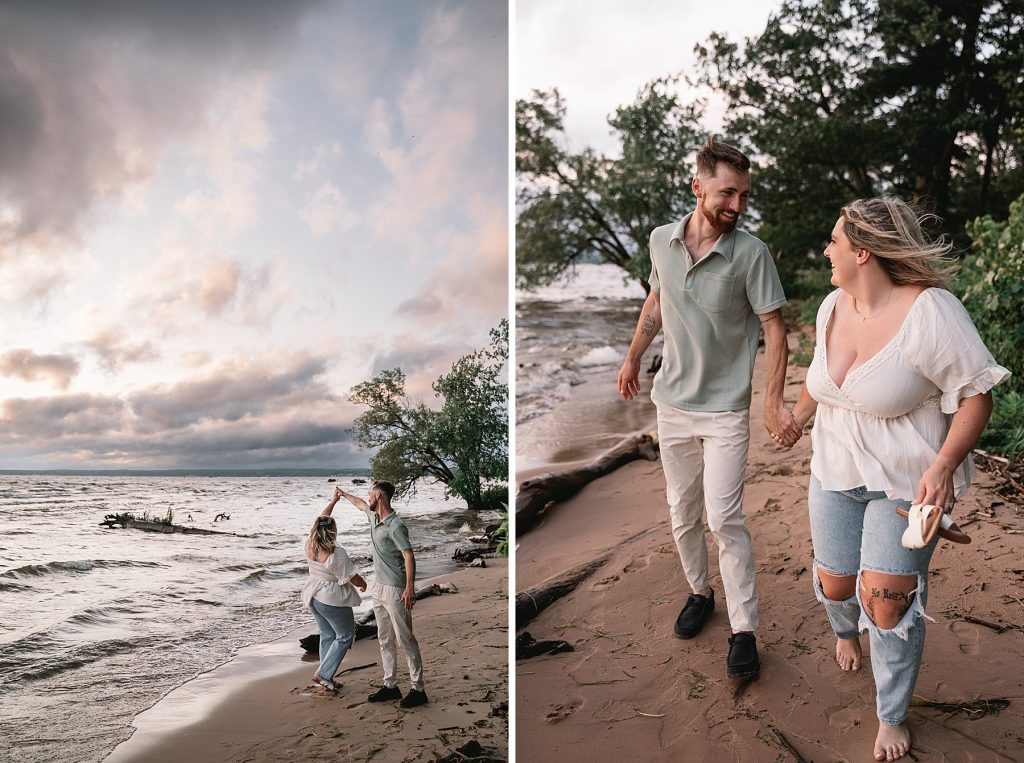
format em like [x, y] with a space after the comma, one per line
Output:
[877, 312]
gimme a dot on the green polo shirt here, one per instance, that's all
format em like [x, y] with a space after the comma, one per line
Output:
[390, 538]
[709, 313]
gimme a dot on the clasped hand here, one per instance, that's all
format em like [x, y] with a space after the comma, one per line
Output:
[782, 426]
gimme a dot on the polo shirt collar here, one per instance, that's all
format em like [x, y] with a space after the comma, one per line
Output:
[725, 244]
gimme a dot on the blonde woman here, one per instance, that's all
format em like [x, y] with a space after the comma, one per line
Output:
[900, 384]
[330, 594]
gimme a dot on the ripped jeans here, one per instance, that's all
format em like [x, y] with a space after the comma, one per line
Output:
[859, 530]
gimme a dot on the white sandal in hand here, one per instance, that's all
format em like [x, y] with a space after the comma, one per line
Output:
[924, 520]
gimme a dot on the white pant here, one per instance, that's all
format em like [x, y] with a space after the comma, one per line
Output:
[704, 456]
[394, 623]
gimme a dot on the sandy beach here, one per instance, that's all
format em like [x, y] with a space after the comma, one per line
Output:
[262, 710]
[632, 689]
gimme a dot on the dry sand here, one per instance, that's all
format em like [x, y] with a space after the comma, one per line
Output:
[632, 690]
[464, 641]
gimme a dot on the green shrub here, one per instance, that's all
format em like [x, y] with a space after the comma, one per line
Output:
[502, 533]
[1005, 430]
[991, 285]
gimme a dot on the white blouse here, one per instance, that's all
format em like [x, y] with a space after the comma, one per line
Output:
[883, 427]
[329, 581]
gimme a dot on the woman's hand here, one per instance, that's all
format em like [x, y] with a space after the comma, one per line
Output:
[936, 486]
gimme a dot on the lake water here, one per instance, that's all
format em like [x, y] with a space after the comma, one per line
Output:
[97, 624]
[571, 339]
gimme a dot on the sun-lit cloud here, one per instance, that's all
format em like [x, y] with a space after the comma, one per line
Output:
[30, 366]
[215, 219]
[327, 210]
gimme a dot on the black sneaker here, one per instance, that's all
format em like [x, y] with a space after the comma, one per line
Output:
[742, 661]
[696, 612]
[414, 698]
[385, 693]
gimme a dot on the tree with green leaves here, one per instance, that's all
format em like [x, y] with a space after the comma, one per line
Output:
[853, 98]
[463, 443]
[578, 204]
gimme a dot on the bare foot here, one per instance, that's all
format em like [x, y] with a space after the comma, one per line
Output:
[848, 653]
[892, 742]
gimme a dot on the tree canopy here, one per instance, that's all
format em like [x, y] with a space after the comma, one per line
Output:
[834, 100]
[462, 444]
[577, 203]
[852, 98]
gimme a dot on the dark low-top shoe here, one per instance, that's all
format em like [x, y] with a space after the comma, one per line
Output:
[743, 661]
[385, 694]
[696, 612]
[414, 698]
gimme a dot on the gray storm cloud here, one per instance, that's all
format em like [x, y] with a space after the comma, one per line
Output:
[91, 93]
[237, 415]
[25, 364]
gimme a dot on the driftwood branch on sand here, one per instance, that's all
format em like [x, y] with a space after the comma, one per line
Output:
[536, 494]
[535, 599]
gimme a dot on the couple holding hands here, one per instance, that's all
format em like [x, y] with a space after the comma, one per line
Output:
[899, 389]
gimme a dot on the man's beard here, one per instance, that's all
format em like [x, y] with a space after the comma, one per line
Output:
[719, 223]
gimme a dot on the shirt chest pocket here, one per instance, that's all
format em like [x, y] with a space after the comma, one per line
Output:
[714, 291]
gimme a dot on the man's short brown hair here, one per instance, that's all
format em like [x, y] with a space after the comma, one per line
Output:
[387, 488]
[712, 152]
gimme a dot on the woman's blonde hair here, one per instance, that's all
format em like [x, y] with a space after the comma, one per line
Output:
[322, 537]
[893, 231]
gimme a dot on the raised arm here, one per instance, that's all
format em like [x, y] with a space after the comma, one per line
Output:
[778, 420]
[356, 501]
[936, 486]
[646, 329]
[331, 503]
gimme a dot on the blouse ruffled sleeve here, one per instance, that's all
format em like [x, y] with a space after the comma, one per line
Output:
[341, 566]
[945, 348]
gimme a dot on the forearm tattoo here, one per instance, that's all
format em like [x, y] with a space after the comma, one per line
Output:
[769, 319]
[648, 325]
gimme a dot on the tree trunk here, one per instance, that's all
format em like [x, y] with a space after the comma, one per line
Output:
[536, 494]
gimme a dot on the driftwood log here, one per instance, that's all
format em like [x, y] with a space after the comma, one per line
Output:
[535, 599]
[536, 494]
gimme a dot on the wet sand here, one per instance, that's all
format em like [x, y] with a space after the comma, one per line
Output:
[633, 690]
[252, 709]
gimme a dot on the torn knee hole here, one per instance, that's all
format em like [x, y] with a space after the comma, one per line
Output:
[836, 587]
[886, 598]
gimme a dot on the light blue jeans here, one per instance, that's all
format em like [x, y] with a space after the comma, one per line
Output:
[858, 530]
[337, 633]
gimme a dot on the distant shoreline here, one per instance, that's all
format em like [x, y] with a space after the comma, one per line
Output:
[350, 471]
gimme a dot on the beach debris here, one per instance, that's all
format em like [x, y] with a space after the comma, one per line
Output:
[130, 522]
[499, 710]
[527, 647]
[467, 555]
[536, 599]
[973, 709]
[478, 562]
[223, 516]
[331, 479]
[537, 494]
[358, 481]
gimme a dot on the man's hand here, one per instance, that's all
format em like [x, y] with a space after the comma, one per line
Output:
[782, 426]
[338, 493]
[408, 597]
[629, 379]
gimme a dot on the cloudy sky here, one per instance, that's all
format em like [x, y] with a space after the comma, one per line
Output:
[217, 217]
[599, 53]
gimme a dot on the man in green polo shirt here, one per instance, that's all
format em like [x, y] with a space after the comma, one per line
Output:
[713, 288]
[394, 592]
